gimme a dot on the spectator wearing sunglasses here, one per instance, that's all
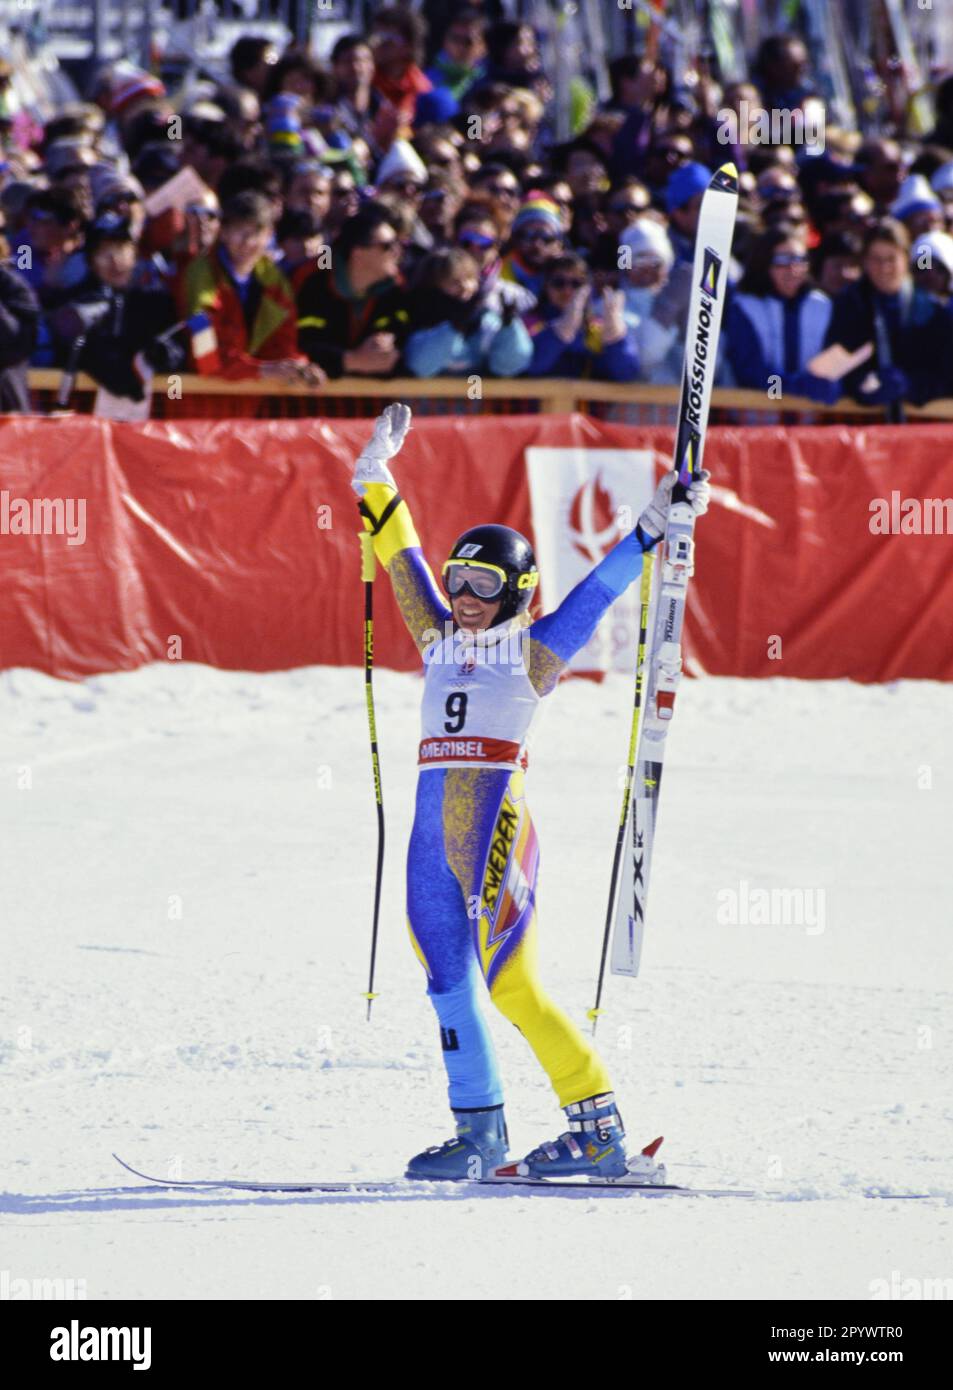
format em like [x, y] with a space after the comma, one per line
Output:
[439, 147]
[402, 171]
[402, 178]
[477, 232]
[608, 219]
[51, 235]
[454, 332]
[439, 206]
[345, 201]
[683, 201]
[662, 159]
[416, 241]
[353, 316]
[47, 253]
[570, 339]
[777, 321]
[123, 197]
[625, 203]
[778, 185]
[536, 238]
[459, 61]
[842, 212]
[497, 183]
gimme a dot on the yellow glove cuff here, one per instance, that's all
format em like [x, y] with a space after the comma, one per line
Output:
[398, 532]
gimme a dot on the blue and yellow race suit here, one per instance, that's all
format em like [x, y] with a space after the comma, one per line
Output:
[473, 856]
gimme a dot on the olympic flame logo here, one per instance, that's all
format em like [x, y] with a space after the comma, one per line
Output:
[593, 525]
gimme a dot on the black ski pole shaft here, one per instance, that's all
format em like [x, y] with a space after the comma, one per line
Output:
[894, 409]
[68, 379]
[368, 569]
[647, 564]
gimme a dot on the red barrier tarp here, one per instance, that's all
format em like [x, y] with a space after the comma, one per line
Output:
[234, 542]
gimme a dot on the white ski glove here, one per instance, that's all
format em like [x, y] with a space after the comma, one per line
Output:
[390, 431]
[698, 495]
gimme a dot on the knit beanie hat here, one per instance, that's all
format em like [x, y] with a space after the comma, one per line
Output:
[538, 207]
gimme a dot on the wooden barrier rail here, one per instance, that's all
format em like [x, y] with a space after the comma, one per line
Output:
[538, 394]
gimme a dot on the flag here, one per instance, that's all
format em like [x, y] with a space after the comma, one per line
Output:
[204, 345]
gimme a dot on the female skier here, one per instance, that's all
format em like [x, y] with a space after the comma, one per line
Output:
[472, 861]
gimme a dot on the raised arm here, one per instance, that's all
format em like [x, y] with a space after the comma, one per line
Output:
[555, 638]
[387, 516]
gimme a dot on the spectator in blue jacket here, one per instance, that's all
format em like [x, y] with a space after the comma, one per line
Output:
[569, 338]
[777, 321]
[454, 330]
[683, 202]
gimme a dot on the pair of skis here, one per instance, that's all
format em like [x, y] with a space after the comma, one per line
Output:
[665, 591]
[467, 1189]
[409, 1187]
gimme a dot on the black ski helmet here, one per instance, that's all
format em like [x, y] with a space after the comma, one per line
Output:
[512, 552]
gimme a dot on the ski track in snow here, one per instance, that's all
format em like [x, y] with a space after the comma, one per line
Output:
[189, 878]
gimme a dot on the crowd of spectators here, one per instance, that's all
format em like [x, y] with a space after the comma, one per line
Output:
[402, 207]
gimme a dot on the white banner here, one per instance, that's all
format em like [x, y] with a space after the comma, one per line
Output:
[584, 501]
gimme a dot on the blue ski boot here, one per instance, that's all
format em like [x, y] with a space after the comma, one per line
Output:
[594, 1146]
[479, 1146]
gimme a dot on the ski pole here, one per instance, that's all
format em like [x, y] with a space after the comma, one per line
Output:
[894, 409]
[368, 570]
[68, 379]
[645, 596]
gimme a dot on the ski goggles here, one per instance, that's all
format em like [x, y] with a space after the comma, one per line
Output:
[477, 577]
[481, 579]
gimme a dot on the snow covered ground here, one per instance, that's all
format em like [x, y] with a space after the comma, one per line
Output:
[187, 866]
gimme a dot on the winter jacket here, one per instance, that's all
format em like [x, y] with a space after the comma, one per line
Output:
[109, 328]
[768, 336]
[585, 356]
[19, 317]
[471, 338]
[262, 329]
[332, 318]
[914, 328]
